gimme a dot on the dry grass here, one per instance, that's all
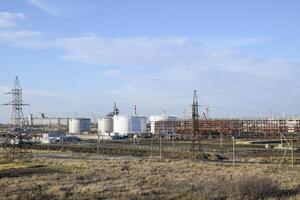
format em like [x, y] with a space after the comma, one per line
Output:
[151, 179]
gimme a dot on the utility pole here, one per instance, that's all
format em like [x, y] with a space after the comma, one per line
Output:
[233, 151]
[151, 146]
[61, 135]
[159, 147]
[173, 142]
[207, 111]
[195, 119]
[292, 152]
[221, 140]
[290, 146]
[98, 141]
[135, 113]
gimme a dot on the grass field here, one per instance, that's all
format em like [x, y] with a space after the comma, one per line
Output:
[125, 178]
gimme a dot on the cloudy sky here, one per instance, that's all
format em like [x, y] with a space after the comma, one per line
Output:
[78, 57]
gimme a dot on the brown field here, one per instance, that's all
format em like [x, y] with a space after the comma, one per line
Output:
[69, 178]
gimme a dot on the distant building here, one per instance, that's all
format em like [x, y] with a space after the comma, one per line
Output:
[43, 121]
[53, 137]
[162, 128]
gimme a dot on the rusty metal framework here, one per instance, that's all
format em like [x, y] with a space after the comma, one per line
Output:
[243, 128]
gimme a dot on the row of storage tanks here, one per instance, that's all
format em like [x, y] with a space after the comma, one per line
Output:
[119, 125]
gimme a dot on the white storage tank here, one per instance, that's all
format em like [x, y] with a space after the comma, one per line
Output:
[121, 125]
[79, 125]
[144, 125]
[132, 124]
[105, 125]
[30, 120]
[138, 124]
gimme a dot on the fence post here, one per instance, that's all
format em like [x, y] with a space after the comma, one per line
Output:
[160, 147]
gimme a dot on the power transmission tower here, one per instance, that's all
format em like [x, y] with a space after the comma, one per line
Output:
[17, 138]
[195, 119]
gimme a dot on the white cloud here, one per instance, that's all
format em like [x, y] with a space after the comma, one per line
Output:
[23, 38]
[11, 35]
[45, 6]
[43, 93]
[145, 51]
[119, 51]
[7, 19]
[177, 55]
[4, 89]
[112, 72]
[176, 58]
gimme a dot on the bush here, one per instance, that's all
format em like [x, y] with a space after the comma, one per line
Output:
[254, 187]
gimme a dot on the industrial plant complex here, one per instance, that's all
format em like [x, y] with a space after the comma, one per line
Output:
[115, 126]
[149, 100]
[152, 134]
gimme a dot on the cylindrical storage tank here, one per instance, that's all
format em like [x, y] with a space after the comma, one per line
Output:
[135, 124]
[121, 125]
[138, 124]
[143, 125]
[30, 120]
[79, 125]
[105, 125]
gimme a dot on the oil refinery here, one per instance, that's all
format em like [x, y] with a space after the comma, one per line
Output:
[123, 126]
[135, 132]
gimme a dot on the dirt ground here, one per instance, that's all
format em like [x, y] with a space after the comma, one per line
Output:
[68, 178]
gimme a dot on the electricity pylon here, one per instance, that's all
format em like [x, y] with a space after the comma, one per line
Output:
[17, 138]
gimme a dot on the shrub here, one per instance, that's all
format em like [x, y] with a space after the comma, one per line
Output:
[254, 187]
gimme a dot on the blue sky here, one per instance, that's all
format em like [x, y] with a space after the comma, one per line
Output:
[81, 56]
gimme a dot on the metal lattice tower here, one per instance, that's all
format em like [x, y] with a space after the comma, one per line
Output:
[17, 116]
[195, 119]
[18, 136]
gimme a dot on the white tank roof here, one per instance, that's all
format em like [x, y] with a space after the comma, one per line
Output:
[163, 117]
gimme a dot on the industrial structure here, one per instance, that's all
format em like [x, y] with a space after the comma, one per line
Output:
[114, 125]
[130, 124]
[241, 128]
[121, 126]
[153, 119]
[79, 125]
[15, 139]
[105, 127]
[63, 124]
[43, 120]
[53, 137]
[196, 128]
